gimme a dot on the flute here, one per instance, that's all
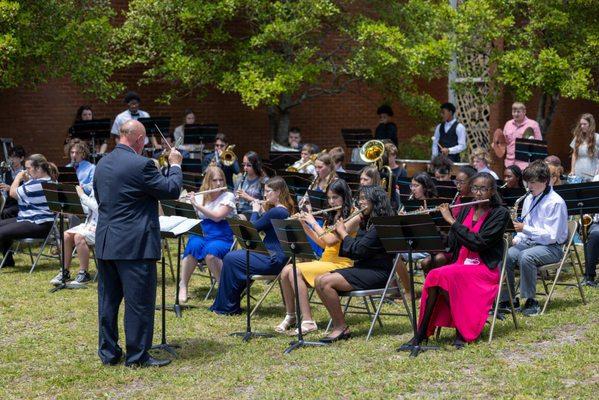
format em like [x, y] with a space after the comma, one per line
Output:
[297, 215]
[332, 228]
[218, 189]
[429, 210]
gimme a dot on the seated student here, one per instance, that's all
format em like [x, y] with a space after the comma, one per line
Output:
[249, 188]
[338, 156]
[372, 264]
[339, 194]
[512, 176]
[462, 183]
[294, 138]
[480, 160]
[278, 204]
[325, 172]
[16, 156]
[390, 159]
[308, 150]
[220, 145]
[212, 209]
[555, 170]
[422, 187]
[540, 236]
[34, 219]
[441, 166]
[370, 176]
[80, 237]
[85, 170]
[591, 251]
[460, 295]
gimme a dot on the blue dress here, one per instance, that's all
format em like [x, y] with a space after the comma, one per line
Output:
[218, 237]
[233, 278]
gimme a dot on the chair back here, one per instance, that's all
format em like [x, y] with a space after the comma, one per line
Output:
[2, 203]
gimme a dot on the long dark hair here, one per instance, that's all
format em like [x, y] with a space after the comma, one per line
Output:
[340, 188]
[381, 206]
[495, 199]
[80, 112]
[256, 162]
[430, 191]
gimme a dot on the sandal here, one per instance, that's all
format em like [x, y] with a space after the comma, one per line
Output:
[307, 327]
[286, 324]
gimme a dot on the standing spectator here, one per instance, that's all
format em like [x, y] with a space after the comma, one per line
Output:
[385, 128]
[585, 148]
[450, 135]
[514, 129]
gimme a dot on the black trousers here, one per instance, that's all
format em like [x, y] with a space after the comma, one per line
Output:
[135, 281]
[10, 230]
[591, 253]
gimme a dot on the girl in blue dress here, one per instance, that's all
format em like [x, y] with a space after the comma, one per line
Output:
[212, 209]
[278, 205]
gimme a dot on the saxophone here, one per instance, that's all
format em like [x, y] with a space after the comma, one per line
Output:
[514, 210]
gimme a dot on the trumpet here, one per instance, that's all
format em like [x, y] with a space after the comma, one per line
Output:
[351, 216]
[310, 161]
[430, 210]
[326, 210]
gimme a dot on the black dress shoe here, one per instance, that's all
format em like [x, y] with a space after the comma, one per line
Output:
[344, 335]
[150, 362]
[409, 345]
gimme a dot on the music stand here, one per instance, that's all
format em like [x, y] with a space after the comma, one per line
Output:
[295, 243]
[192, 180]
[356, 137]
[163, 123]
[297, 182]
[199, 133]
[282, 159]
[96, 129]
[62, 199]
[191, 165]
[529, 150]
[580, 198]
[352, 179]
[67, 175]
[180, 209]
[409, 233]
[249, 240]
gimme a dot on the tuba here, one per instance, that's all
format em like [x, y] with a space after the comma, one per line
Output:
[372, 152]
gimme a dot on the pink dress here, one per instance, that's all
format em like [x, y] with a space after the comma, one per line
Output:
[471, 288]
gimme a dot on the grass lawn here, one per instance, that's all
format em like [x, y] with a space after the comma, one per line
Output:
[48, 344]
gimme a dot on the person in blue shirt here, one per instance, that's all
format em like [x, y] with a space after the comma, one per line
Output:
[85, 170]
[278, 205]
[220, 144]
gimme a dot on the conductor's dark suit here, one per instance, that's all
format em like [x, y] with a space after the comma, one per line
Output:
[128, 187]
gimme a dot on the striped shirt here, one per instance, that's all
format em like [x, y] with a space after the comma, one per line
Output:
[33, 206]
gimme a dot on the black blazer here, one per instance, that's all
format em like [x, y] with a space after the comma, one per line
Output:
[488, 242]
[366, 250]
[127, 187]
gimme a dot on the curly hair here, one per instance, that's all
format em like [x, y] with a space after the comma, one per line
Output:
[430, 191]
[381, 205]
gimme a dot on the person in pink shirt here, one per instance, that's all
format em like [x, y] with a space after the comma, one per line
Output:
[514, 129]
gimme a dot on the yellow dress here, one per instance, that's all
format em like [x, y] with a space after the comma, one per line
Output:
[329, 261]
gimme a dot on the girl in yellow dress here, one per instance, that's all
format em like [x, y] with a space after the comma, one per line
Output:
[338, 194]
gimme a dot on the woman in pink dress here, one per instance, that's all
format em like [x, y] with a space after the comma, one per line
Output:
[460, 295]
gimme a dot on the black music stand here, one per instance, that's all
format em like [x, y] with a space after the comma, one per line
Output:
[155, 125]
[295, 243]
[67, 175]
[529, 150]
[63, 199]
[580, 198]
[199, 133]
[297, 182]
[352, 179]
[192, 180]
[180, 209]
[279, 160]
[356, 137]
[249, 239]
[96, 129]
[409, 233]
[192, 165]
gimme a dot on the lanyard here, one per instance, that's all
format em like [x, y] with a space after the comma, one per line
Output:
[536, 203]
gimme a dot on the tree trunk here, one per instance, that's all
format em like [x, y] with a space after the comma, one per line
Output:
[278, 120]
[546, 112]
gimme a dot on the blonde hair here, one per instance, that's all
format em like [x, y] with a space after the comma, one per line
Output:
[278, 183]
[80, 146]
[589, 137]
[209, 174]
[481, 154]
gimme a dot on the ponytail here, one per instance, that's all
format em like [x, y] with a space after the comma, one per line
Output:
[39, 161]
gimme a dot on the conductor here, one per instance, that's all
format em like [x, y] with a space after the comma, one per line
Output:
[127, 187]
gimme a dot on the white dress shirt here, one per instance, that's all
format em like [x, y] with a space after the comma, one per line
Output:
[124, 117]
[547, 223]
[460, 131]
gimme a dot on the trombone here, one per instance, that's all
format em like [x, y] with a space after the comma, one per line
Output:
[310, 161]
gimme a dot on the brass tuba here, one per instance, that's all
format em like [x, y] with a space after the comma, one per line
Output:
[372, 152]
[585, 222]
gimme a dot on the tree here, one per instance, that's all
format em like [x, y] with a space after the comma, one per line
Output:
[40, 40]
[279, 54]
[548, 47]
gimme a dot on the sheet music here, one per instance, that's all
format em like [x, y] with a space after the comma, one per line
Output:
[177, 225]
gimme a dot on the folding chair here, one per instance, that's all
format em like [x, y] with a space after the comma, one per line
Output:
[33, 241]
[502, 280]
[388, 293]
[545, 269]
[271, 281]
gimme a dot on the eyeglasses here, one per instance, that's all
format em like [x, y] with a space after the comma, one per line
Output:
[481, 189]
[459, 182]
[414, 185]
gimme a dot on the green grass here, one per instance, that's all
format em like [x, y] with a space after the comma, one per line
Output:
[48, 350]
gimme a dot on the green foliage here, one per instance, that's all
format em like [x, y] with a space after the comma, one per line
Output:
[548, 46]
[418, 147]
[47, 39]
